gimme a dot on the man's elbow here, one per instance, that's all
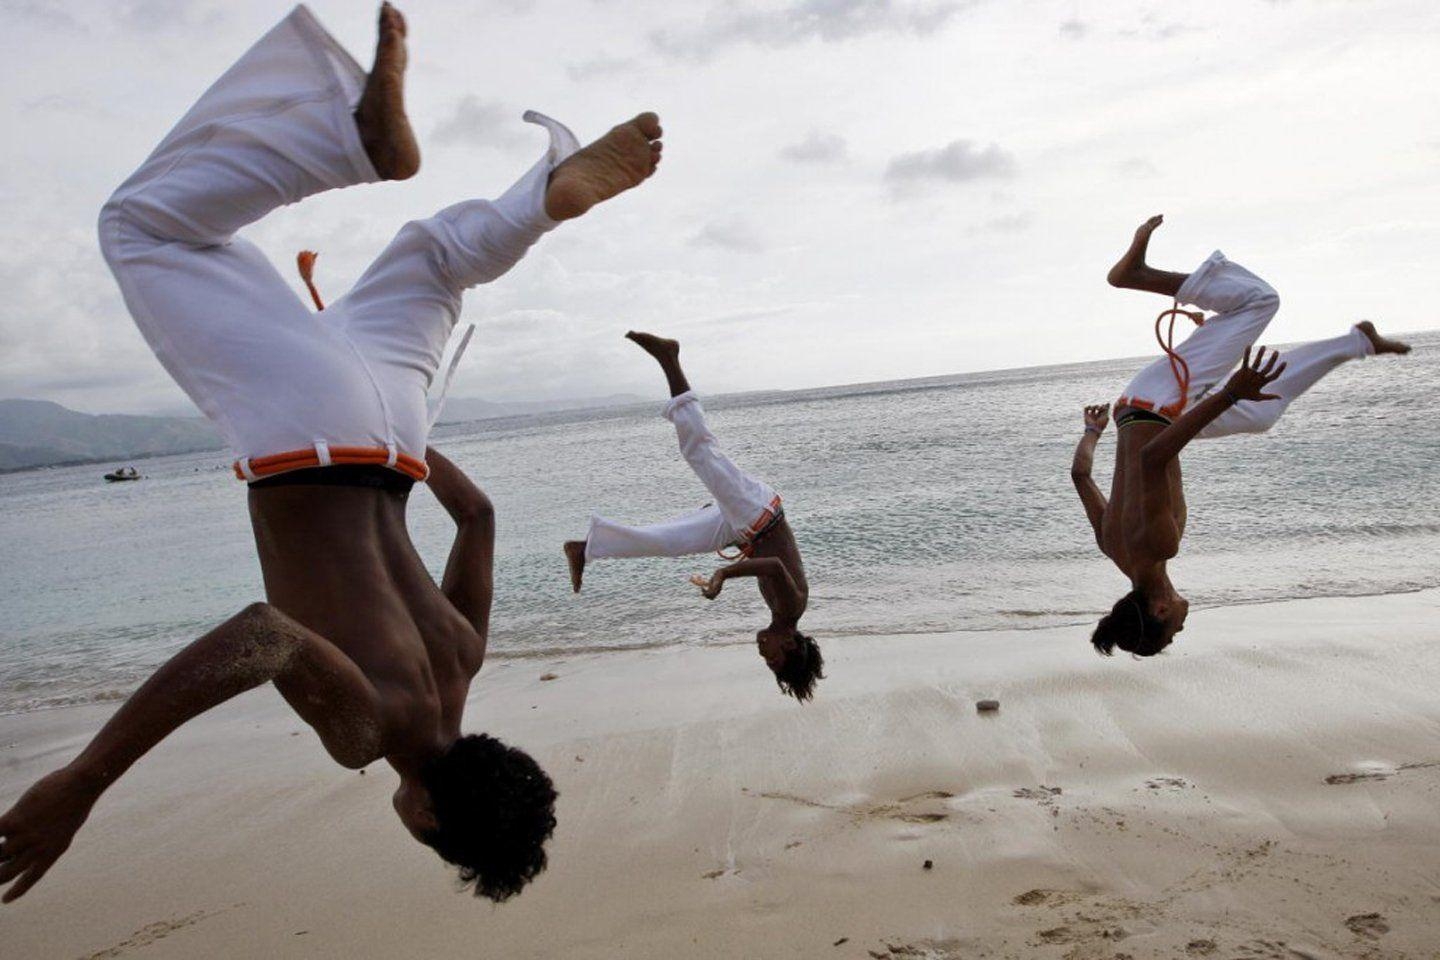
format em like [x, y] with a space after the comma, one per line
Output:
[474, 508]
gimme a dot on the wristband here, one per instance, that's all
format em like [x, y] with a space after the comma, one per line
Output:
[1234, 398]
[1094, 430]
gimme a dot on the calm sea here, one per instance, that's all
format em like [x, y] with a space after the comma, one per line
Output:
[922, 505]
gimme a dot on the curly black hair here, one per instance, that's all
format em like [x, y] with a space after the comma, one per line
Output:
[803, 666]
[1130, 626]
[495, 808]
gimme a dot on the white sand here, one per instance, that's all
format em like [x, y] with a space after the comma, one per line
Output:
[1172, 808]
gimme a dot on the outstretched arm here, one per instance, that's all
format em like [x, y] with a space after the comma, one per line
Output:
[771, 570]
[470, 571]
[257, 645]
[1246, 383]
[1097, 417]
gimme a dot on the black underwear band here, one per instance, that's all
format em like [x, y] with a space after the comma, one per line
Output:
[1138, 415]
[370, 475]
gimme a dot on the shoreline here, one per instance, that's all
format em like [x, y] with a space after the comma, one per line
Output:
[108, 698]
[1273, 781]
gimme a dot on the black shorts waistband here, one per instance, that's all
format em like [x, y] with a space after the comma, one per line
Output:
[1140, 415]
[371, 476]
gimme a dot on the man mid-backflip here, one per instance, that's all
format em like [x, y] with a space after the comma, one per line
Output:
[327, 415]
[746, 515]
[1192, 393]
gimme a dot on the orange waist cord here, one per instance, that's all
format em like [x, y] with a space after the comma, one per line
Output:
[1178, 366]
[305, 260]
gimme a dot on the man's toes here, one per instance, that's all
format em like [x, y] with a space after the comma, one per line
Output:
[649, 124]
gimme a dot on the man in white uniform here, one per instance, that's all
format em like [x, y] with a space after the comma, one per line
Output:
[746, 515]
[327, 416]
[1192, 392]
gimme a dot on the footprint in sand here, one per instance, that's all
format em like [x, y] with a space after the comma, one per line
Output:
[1167, 783]
[153, 933]
[924, 807]
[1376, 771]
[1274, 950]
[1041, 793]
[1201, 948]
[919, 950]
[1372, 926]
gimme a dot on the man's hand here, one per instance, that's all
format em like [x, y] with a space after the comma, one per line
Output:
[1097, 417]
[709, 589]
[39, 828]
[1252, 378]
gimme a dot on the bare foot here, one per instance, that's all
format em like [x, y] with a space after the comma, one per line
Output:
[575, 556]
[1382, 344]
[658, 347]
[384, 129]
[621, 159]
[1132, 264]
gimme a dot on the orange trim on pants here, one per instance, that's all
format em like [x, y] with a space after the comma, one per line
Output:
[1171, 410]
[299, 459]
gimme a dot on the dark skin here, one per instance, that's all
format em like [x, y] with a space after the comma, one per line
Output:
[357, 637]
[1142, 523]
[774, 561]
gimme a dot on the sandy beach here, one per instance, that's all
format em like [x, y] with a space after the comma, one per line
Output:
[1269, 789]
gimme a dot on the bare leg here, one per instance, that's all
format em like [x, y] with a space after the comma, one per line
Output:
[575, 557]
[667, 352]
[1132, 273]
[380, 117]
[1382, 344]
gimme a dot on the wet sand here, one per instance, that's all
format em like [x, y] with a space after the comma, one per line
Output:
[1269, 789]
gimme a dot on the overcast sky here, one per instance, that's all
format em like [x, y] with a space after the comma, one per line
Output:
[852, 189]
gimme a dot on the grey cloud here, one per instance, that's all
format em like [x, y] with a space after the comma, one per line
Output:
[478, 123]
[796, 22]
[960, 161]
[1074, 28]
[149, 16]
[732, 235]
[817, 147]
[43, 14]
[1153, 28]
[1137, 168]
[1007, 223]
[599, 67]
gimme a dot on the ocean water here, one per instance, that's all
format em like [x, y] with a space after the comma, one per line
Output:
[921, 505]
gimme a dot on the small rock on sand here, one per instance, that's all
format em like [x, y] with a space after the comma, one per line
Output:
[987, 706]
[928, 865]
[549, 676]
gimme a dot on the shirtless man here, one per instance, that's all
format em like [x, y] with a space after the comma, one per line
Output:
[1141, 525]
[327, 416]
[746, 515]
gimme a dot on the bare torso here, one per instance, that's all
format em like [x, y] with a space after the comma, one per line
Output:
[1145, 521]
[779, 543]
[339, 560]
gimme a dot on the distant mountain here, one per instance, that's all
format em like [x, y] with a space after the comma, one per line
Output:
[464, 409]
[38, 433]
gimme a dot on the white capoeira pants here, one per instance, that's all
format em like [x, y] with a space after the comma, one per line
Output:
[1244, 305]
[743, 507]
[289, 388]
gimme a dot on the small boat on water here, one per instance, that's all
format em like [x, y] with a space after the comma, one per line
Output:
[124, 473]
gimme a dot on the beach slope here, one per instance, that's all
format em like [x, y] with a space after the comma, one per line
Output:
[1269, 789]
